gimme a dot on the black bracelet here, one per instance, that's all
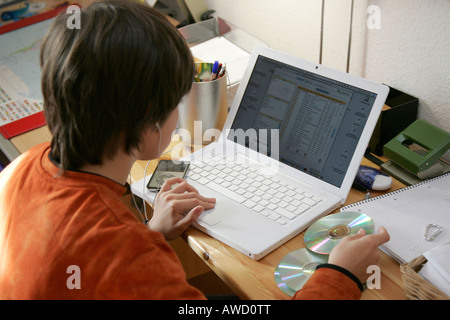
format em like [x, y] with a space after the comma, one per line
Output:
[361, 286]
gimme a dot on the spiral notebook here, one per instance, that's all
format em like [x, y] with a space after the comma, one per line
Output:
[407, 212]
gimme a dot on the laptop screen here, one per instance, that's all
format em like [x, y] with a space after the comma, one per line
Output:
[319, 120]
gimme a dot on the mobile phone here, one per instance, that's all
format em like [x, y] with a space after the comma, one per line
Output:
[167, 169]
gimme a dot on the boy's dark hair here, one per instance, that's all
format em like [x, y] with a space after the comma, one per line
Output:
[125, 70]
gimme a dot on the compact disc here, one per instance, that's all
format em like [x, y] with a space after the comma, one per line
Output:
[296, 268]
[322, 236]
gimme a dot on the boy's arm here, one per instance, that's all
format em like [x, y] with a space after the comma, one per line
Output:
[329, 283]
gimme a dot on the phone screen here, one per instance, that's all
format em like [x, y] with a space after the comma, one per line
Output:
[167, 169]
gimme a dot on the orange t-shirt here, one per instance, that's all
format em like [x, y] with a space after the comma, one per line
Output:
[57, 232]
[49, 223]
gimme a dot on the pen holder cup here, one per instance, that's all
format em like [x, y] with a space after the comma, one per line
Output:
[203, 111]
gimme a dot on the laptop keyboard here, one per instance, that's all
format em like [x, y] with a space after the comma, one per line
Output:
[264, 194]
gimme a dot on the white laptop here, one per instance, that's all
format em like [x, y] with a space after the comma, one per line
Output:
[288, 153]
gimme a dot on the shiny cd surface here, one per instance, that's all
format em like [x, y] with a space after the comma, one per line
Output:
[296, 268]
[322, 236]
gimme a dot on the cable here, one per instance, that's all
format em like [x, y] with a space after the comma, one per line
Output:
[145, 216]
[134, 201]
[145, 173]
[143, 194]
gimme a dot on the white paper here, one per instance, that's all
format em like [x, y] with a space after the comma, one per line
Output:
[437, 268]
[151, 3]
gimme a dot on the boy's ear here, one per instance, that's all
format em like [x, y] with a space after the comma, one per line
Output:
[151, 134]
[149, 139]
[152, 129]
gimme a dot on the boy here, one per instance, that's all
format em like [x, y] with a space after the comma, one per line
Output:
[110, 93]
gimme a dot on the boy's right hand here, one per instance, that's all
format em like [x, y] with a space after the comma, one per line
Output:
[356, 253]
[176, 208]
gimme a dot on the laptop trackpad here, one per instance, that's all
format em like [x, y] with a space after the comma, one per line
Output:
[223, 207]
[210, 217]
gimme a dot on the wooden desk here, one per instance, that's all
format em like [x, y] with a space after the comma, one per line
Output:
[254, 280]
[248, 278]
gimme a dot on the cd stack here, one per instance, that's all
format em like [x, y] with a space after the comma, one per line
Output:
[320, 238]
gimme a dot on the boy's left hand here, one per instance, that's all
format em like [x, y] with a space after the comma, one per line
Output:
[175, 209]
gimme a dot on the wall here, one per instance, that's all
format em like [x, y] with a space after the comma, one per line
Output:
[411, 50]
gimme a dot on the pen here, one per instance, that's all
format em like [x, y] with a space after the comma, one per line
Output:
[218, 71]
[222, 72]
[214, 70]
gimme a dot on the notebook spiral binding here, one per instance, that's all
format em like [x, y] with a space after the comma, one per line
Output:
[393, 192]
